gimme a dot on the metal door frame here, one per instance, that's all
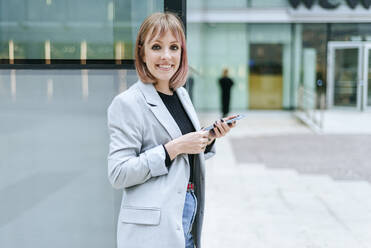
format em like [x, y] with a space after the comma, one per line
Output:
[366, 53]
[332, 46]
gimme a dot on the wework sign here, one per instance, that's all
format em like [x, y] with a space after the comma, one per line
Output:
[330, 4]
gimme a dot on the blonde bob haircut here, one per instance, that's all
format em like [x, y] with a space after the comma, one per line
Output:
[156, 25]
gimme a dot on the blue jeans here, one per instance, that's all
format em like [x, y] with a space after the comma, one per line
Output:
[189, 214]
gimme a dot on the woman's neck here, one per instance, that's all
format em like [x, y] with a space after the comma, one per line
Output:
[163, 87]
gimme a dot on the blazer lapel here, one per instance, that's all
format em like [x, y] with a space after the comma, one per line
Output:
[159, 109]
[188, 106]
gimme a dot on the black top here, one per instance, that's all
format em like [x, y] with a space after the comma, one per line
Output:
[181, 118]
[185, 125]
[225, 83]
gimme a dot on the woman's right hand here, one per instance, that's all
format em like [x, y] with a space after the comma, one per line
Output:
[190, 143]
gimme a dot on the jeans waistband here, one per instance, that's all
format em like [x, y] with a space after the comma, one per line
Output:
[190, 186]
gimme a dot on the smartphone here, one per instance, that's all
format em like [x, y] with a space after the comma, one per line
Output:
[239, 117]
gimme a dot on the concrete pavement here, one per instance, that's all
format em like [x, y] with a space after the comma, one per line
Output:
[255, 205]
[349, 122]
[337, 121]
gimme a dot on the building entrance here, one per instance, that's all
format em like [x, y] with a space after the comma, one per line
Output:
[349, 75]
[266, 81]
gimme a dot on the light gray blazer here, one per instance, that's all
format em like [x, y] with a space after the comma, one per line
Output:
[153, 195]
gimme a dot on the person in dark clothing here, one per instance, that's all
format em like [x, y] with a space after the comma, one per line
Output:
[225, 84]
[189, 84]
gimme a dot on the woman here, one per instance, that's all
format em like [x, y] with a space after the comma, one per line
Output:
[157, 148]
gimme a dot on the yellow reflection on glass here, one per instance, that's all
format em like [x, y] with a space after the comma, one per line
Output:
[47, 52]
[11, 52]
[119, 52]
[83, 52]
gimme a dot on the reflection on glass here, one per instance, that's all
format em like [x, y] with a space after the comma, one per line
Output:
[64, 25]
[101, 51]
[19, 50]
[220, 4]
[369, 78]
[65, 50]
[349, 31]
[313, 37]
[53, 149]
[265, 79]
[4, 50]
[268, 3]
[346, 74]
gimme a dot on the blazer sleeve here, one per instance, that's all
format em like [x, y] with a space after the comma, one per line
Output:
[127, 164]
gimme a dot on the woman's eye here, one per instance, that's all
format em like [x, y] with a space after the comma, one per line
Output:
[174, 47]
[156, 47]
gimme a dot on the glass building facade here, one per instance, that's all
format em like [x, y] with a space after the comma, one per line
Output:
[273, 47]
[71, 30]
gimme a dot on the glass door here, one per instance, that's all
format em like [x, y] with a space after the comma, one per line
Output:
[265, 79]
[367, 76]
[344, 74]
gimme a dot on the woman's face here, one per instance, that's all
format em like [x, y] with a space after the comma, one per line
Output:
[162, 56]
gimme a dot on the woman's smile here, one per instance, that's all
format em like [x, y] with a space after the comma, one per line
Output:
[165, 67]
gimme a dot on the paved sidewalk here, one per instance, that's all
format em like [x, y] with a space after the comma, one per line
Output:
[341, 121]
[338, 121]
[252, 205]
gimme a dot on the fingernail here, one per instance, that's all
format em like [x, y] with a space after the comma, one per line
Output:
[214, 125]
[221, 120]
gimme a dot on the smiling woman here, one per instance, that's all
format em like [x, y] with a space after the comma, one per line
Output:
[157, 148]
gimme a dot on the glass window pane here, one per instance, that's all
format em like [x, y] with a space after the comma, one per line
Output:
[346, 71]
[53, 148]
[265, 76]
[268, 3]
[216, 4]
[91, 29]
[314, 53]
[369, 78]
[219, 4]
[314, 36]
[350, 31]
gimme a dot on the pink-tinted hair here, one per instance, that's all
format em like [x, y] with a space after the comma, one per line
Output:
[158, 24]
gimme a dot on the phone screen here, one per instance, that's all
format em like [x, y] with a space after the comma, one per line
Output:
[239, 117]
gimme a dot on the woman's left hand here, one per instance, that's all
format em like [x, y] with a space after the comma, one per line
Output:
[221, 128]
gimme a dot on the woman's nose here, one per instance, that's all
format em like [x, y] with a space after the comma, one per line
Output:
[166, 54]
